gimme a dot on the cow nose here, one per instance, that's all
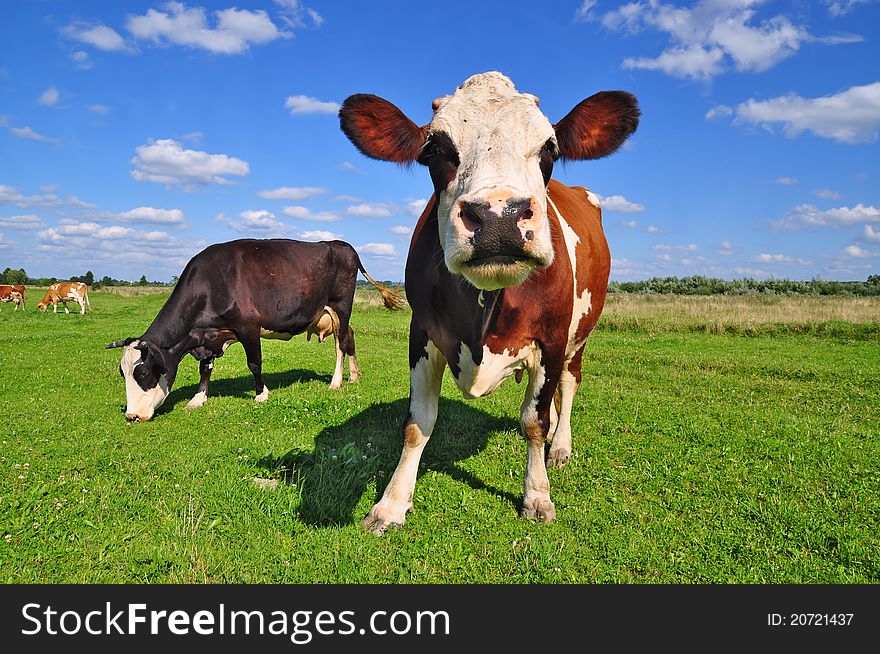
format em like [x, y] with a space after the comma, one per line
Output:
[132, 417]
[472, 214]
[475, 214]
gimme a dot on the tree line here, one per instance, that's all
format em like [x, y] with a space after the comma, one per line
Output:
[699, 285]
[20, 276]
[693, 285]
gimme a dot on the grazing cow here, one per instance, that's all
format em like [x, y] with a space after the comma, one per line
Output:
[507, 269]
[65, 292]
[243, 291]
[14, 294]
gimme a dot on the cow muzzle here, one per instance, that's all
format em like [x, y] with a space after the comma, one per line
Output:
[500, 240]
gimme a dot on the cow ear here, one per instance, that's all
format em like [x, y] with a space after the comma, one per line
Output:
[380, 130]
[598, 125]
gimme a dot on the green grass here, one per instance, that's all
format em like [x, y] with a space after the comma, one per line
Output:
[698, 458]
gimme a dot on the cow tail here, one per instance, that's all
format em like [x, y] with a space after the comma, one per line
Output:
[393, 299]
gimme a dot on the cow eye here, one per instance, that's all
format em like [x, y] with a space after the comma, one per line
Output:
[549, 149]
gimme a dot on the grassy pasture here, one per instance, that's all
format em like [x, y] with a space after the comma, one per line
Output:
[711, 445]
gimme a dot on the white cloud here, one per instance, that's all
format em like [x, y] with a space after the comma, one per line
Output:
[165, 161]
[260, 222]
[231, 31]
[350, 167]
[23, 221]
[374, 210]
[857, 252]
[81, 59]
[851, 116]
[294, 13]
[719, 110]
[28, 133]
[619, 204]
[304, 213]
[294, 193]
[784, 181]
[346, 198]
[415, 206]
[146, 216]
[772, 258]
[10, 195]
[193, 137]
[49, 97]
[652, 229]
[807, 215]
[401, 229]
[97, 35]
[690, 247]
[100, 109]
[303, 104]
[708, 38]
[871, 234]
[628, 224]
[842, 7]
[381, 250]
[318, 235]
[725, 249]
[828, 194]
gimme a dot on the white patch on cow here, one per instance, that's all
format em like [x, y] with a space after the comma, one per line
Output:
[593, 198]
[198, 400]
[499, 134]
[354, 370]
[478, 380]
[336, 381]
[262, 397]
[583, 303]
[140, 404]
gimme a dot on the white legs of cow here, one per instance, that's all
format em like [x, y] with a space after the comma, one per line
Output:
[560, 449]
[536, 484]
[424, 380]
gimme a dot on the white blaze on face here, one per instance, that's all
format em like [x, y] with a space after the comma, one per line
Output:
[140, 403]
[499, 134]
[583, 302]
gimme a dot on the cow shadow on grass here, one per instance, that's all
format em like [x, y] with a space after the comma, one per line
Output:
[334, 475]
[242, 386]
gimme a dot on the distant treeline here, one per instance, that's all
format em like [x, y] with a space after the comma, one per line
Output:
[693, 285]
[699, 285]
[20, 276]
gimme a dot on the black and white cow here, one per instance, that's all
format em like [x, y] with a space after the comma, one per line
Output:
[243, 291]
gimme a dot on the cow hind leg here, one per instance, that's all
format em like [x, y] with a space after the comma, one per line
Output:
[206, 366]
[425, 378]
[254, 354]
[354, 370]
[535, 424]
[569, 381]
[336, 381]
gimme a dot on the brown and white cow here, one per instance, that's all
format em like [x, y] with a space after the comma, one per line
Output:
[14, 294]
[65, 292]
[507, 269]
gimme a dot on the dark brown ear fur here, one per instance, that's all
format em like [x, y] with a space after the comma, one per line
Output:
[380, 130]
[598, 125]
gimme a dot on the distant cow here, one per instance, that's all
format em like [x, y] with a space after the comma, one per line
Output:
[243, 291]
[14, 294]
[65, 292]
[507, 269]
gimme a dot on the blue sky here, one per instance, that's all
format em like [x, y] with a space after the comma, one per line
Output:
[133, 134]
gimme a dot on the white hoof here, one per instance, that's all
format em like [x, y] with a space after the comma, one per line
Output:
[262, 397]
[198, 400]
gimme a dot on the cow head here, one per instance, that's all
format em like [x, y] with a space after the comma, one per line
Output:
[490, 152]
[146, 373]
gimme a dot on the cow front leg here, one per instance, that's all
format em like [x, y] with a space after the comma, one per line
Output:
[535, 425]
[424, 394]
[254, 353]
[206, 366]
